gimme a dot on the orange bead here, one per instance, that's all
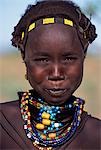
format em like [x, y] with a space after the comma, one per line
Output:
[52, 135]
[43, 136]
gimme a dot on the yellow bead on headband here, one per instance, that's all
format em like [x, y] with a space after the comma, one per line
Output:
[31, 27]
[68, 22]
[22, 36]
[47, 21]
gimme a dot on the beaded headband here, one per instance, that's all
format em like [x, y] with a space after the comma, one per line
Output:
[47, 21]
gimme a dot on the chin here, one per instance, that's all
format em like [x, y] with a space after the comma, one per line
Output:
[57, 100]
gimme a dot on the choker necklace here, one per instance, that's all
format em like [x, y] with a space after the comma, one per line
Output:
[43, 124]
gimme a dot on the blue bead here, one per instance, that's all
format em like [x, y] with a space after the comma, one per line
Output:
[53, 125]
[39, 99]
[54, 114]
[61, 124]
[49, 128]
[53, 107]
[57, 129]
[41, 110]
[70, 106]
[50, 111]
[45, 108]
[57, 107]
[52, 122]
[45, 131]
[51, 117]
[38, 134]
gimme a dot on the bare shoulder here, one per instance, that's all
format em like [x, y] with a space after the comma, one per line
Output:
[93, 122]
[9, 109]
[11, 104]
[93, 127]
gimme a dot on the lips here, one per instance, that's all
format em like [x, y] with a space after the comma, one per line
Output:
[56, 92]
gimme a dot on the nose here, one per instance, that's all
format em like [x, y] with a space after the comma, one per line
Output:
[56, 73]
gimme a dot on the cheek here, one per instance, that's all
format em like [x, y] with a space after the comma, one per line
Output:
[76, 74]
[35, 74]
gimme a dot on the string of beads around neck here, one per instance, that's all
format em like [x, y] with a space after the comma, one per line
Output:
[46, 132]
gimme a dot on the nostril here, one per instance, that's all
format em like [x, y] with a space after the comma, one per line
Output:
[56, 73]
[56, 78]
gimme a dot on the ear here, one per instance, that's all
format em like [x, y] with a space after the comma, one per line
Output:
[85, 49]
[26, 76]
[85, 54]
[22, 55]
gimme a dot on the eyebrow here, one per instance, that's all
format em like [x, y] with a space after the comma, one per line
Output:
[69, 53]
[40, 53]
[65, 53]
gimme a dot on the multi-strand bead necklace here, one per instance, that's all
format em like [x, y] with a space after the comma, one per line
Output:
[46, 131]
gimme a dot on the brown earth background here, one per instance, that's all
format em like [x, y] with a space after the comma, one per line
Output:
[12, 72]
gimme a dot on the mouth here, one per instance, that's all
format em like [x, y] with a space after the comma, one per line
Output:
[56, 92]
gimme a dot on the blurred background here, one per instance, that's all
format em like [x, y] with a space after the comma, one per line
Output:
[12, 69]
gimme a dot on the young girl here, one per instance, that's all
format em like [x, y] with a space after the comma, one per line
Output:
[53, 37]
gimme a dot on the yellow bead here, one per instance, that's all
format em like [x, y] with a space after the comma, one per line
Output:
[40, 126]
[45, 115]
[29, 114]
[79, 118]
[69, 128]
[49, 148]
[26, 108]
[43, 136]
[28, 121]
[52, 135]
[46, 122]
[27, 96]
[26, 101]
[81, 106]
[38, 105]
[30, 101]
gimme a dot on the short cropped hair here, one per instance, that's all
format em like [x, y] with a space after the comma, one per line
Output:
[54, 8]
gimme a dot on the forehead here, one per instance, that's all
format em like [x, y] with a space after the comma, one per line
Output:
[53, 36]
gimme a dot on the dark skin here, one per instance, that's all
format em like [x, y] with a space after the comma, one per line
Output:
[54, 61]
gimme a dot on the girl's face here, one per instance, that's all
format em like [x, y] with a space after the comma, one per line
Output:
[54, 59]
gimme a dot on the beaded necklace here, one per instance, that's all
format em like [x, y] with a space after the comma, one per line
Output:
[46, 132]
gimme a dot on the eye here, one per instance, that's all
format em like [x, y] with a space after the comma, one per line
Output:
[69, 59]
[41, 60]
[38, 61]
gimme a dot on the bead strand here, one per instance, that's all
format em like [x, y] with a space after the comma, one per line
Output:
[47, 122]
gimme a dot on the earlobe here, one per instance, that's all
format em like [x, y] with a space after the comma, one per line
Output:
[26, 77]
[85, 54]
[22, 55]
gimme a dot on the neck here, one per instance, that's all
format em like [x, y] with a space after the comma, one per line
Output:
[50, 123]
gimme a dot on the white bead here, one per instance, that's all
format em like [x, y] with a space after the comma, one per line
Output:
[25, 126]
[37, 142]
[56, 125]
[26, 117]
[29, 135]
